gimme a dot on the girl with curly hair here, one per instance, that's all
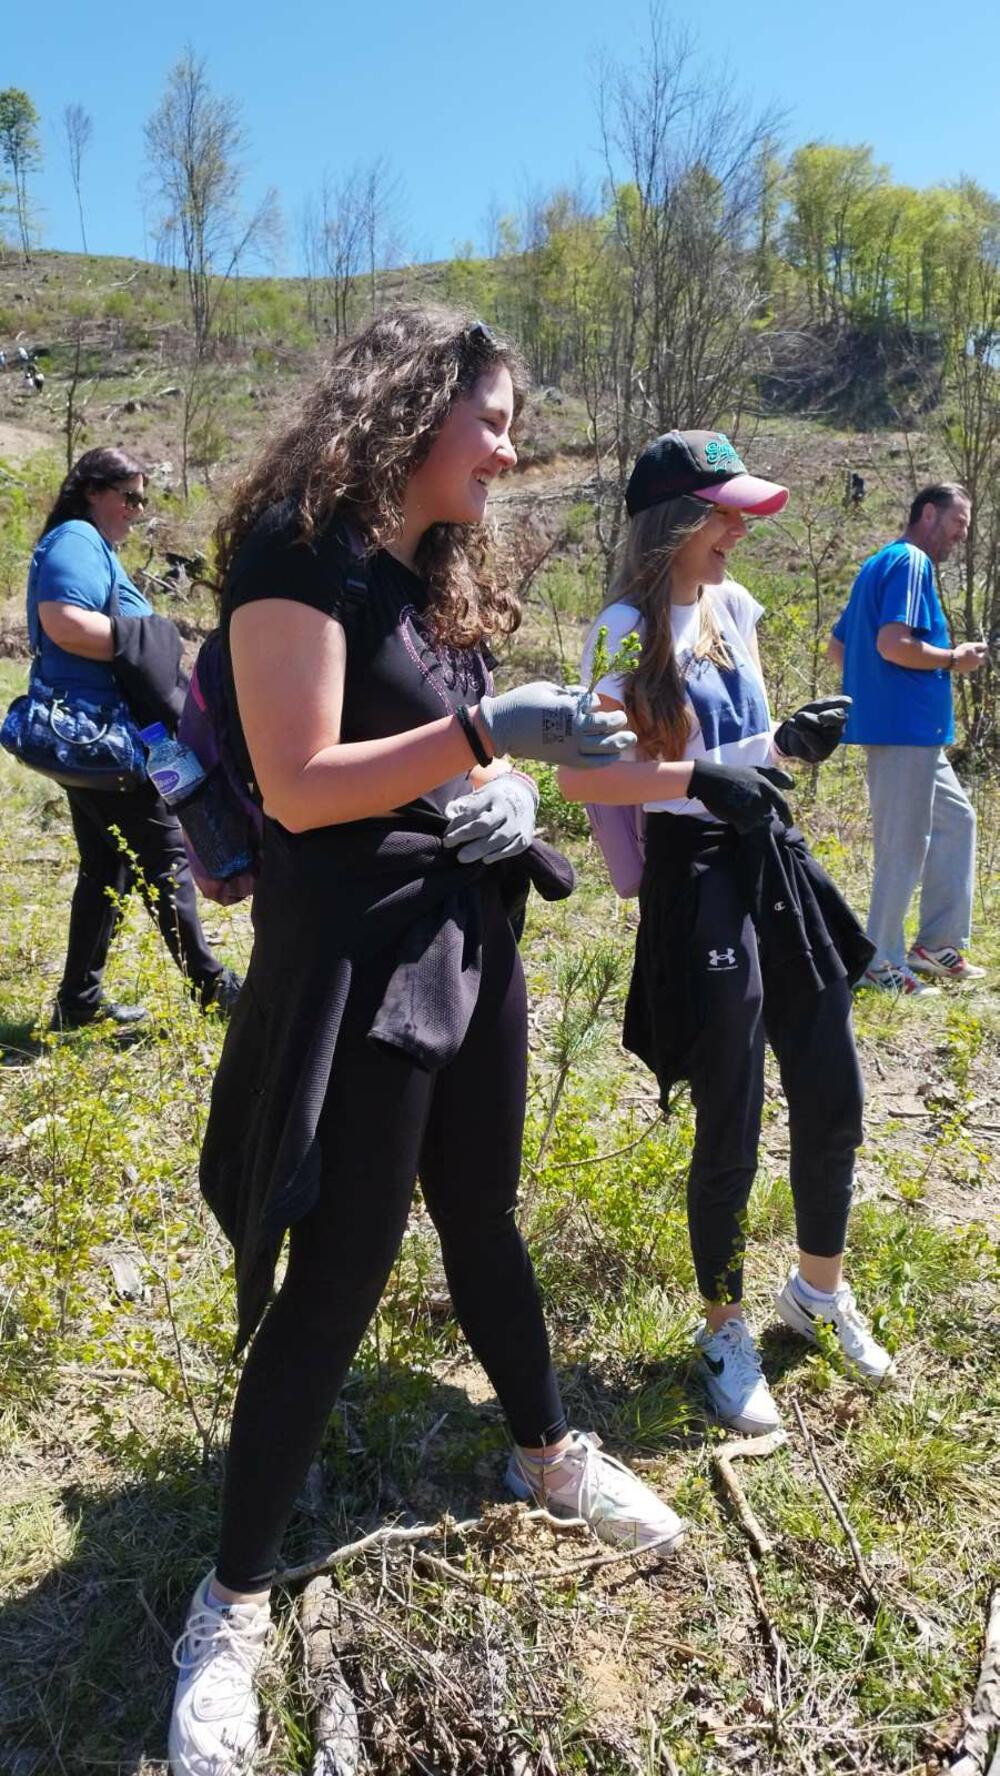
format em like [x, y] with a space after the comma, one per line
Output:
[381, 1032]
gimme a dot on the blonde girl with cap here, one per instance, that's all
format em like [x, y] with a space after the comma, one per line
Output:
[743, 938]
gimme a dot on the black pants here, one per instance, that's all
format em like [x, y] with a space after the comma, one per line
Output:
[386, 1119]
[811, 1035]
[152, 832]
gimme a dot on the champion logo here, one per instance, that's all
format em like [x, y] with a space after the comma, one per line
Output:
[779, 906]
[721, 959]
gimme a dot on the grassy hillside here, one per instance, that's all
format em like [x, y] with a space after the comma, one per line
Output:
[506, 1649]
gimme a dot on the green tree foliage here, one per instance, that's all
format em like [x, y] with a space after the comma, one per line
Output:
[194, 146]
[20, 153]
[863, 249]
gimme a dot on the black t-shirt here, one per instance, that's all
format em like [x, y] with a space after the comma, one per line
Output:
[397, 678]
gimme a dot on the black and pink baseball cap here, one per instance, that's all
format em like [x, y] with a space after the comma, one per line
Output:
[705, 465]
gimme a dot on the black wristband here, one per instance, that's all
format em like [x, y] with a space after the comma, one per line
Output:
[471, 733]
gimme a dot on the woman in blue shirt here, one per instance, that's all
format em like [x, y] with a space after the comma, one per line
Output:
[74, 570]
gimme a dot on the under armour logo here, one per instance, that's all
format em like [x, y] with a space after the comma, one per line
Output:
[722, 958]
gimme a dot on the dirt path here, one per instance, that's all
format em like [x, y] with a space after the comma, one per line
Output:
[17, 442]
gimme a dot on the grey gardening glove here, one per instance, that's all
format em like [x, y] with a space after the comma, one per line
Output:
[493, 822]
[745, 795]
[558, 724]
[814, 731]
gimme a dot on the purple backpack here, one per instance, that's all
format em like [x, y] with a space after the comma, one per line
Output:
[621, 835]
[204, 726]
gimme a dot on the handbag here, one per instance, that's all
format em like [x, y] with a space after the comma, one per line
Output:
[81, 739]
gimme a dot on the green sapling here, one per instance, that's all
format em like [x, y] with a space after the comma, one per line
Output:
[623, 661]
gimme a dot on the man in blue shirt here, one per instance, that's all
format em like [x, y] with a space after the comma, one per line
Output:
[893, 644]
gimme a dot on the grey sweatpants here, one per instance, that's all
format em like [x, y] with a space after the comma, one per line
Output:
[925, 832]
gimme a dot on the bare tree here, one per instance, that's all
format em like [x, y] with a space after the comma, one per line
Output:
[194, 145]
[349, 234]
[79, 129]
[379, 203]
[670, 336]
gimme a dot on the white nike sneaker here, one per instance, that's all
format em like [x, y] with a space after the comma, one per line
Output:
[730, 1372]
[215, 1724]
[862, 1351]
[586, 1483]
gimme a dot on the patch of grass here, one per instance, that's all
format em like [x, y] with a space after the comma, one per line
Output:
[114, 1410]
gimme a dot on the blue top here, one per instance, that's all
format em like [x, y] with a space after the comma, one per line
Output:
[74, 565]
[729, 720]
[895, 705]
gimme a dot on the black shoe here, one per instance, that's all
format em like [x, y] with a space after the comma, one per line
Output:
[79, 1016]
[221, 993]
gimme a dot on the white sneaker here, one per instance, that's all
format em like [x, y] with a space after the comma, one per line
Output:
[732, 1377]
[585, 1483]
[215, 1724]
[948, 962]
[860, 1348]
[901, 981]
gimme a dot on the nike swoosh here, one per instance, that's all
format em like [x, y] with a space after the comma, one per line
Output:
[716, 1364]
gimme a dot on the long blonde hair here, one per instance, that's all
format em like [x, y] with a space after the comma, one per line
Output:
[655, 696]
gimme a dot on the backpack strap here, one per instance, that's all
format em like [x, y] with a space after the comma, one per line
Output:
[351, 559]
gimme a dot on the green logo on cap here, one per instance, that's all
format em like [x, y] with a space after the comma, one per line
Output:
[719, 454]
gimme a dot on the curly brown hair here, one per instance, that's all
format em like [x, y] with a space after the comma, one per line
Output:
[368, 423]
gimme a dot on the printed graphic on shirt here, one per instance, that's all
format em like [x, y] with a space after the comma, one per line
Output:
[729, 704]
[731, 722]
[722, 961]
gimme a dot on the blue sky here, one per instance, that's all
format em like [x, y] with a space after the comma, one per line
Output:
[475, 106]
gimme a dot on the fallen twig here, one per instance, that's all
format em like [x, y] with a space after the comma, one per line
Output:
[837, 1508]
[550, 1574]
[392, 1534]
[983, 1731]
[153, 1617]
[776, 1646]
[722, 1461]
[336, 1733]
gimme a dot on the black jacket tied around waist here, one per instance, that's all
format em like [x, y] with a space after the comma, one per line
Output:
[807, 934]
[329, 903]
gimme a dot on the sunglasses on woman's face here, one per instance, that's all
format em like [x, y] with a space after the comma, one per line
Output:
[135, 501]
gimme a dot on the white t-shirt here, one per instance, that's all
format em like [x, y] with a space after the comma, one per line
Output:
[730, 719]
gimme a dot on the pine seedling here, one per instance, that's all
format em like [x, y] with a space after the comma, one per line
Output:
[621, 663]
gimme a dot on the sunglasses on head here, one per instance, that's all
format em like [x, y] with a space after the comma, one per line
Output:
[477, 335]
[134, 500]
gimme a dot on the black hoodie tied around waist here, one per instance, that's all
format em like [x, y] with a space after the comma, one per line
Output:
[326, 904]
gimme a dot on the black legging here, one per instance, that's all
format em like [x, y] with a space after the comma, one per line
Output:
[384, 1120]
[811, 1035]
[150, 830]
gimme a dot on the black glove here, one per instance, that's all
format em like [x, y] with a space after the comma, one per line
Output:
[814, 731]
[744, 795]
